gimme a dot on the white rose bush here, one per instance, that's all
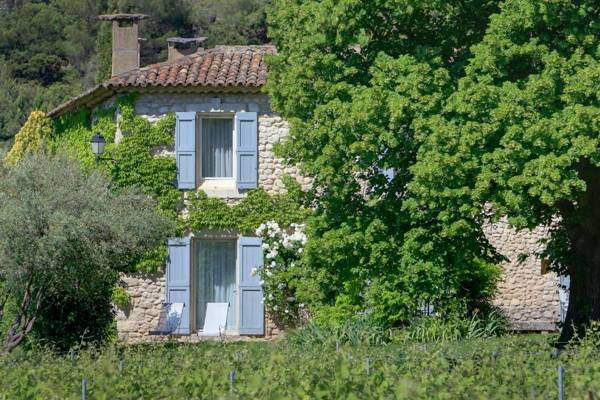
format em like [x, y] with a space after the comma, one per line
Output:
[282, 250]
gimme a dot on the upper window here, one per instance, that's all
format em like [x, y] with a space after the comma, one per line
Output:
[217, 152]
[217, 147]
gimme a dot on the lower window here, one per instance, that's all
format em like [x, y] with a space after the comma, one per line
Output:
[216, 278]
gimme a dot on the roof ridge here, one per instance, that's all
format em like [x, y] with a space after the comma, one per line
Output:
[189, 59]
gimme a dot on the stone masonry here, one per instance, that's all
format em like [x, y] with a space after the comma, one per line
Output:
[529, 298]
[148, 292]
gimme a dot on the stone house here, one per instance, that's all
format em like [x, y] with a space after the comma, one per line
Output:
[224, 139]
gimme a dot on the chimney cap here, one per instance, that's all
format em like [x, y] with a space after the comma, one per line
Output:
[122, 17]
[181, 40]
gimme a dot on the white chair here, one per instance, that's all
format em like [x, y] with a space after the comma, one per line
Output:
[215, 320]
[169, 319]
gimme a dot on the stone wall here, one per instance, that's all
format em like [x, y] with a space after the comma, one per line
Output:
[271, 129]
[528, 297]
[148, 292]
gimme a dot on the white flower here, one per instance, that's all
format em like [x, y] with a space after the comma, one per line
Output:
[269, 273]
[291, 299]
[286, 311]
[281, 285]
[300, 250]
[301, 305]
[253, 271]
[275, 308]
[273, 264]
[261, 282]
[272, 254]
[271, 296]
[265, 246]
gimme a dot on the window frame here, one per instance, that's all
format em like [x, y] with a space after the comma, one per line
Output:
[194, 326]
[215, 115]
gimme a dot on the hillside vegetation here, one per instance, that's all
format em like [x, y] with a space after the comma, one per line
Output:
[51, 50]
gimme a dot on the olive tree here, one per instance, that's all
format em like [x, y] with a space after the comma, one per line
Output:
[63, 234]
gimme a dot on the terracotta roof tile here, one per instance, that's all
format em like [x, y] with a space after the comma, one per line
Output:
[242, 66]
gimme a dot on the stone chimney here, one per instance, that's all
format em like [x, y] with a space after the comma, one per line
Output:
[125, 42]
[182, 47]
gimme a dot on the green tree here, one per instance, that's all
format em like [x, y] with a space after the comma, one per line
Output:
[521, 134]
[231, 21]
[355, 79]
[46, 56]
[65, 238]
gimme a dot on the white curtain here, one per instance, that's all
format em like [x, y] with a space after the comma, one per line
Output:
[217, 148]
[215, 261]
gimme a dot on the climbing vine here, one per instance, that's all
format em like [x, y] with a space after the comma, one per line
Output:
[30, 138]
[247, 215]
[139, 161]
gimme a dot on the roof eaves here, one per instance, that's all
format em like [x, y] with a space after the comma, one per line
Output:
[102, 92]
[96, 93]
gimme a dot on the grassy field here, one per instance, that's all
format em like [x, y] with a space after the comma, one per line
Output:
[510, 367]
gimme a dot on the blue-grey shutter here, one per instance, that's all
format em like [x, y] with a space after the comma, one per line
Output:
[252, 314]
[178, 279]
[246, 129]
[185, 150]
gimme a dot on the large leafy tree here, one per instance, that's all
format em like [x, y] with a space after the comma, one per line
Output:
[231, 21]
[521, 134]
[356, 79]
[66, 236]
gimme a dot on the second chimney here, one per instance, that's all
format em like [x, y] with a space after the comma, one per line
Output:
[182, 47]
[125, 42]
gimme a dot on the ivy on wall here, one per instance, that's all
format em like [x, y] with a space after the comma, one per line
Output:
[247, 215]
[138, 164]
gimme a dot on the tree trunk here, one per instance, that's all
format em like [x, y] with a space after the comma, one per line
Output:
[581, 221]
[24, 320]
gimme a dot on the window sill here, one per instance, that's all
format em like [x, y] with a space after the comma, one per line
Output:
[227, 333]
[223, 188]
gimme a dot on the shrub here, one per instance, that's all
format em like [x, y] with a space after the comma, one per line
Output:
[76, 318]
[282, 248]
[355, 331]
[433, 328]
[66, 236]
